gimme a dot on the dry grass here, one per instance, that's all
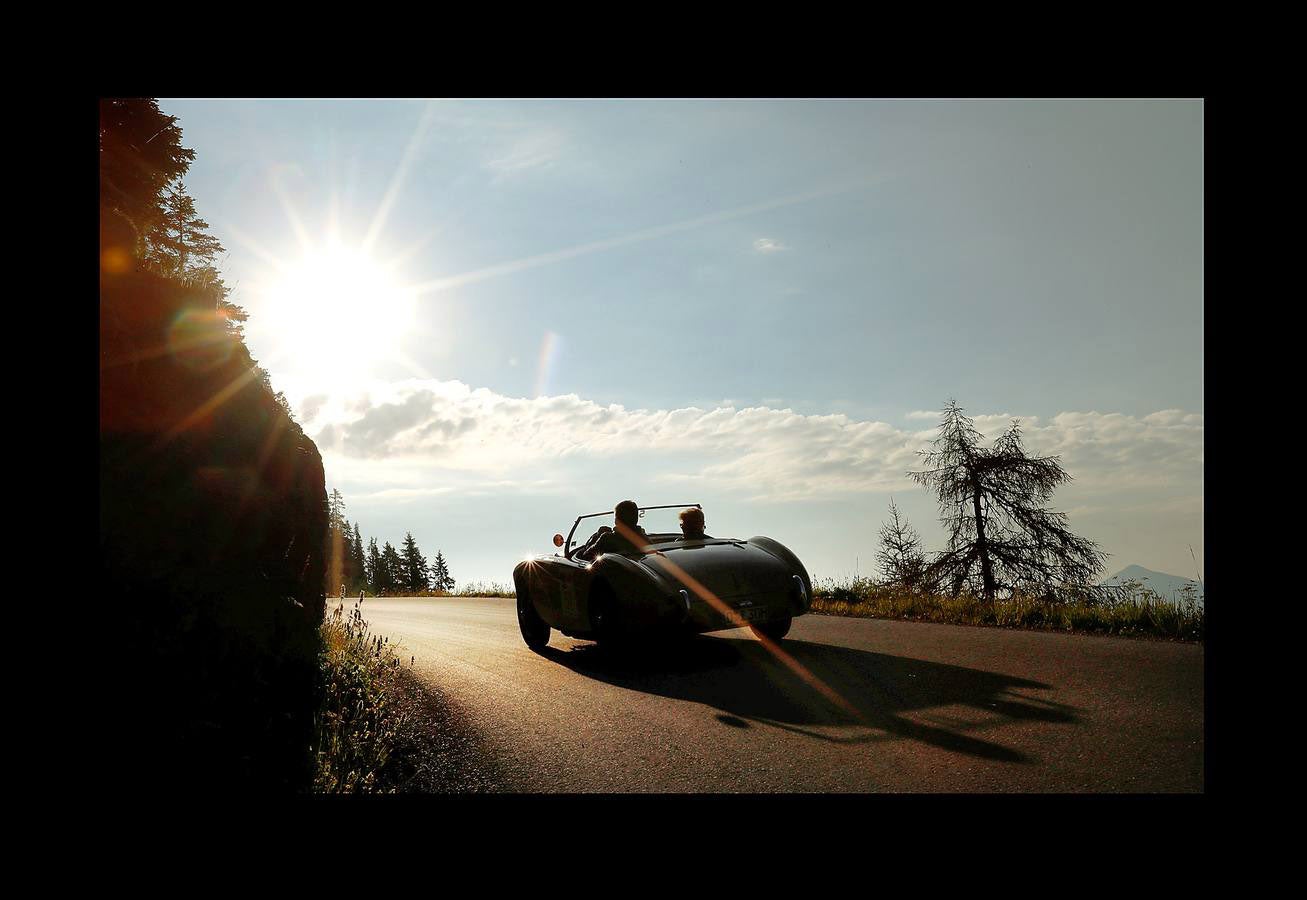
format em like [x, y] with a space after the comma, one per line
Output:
[471, 589]
[367, 711]
[1132, 611]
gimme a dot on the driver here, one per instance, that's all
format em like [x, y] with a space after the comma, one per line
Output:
[626, 516]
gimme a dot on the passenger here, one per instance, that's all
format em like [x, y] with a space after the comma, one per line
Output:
[626, 516]
[692, 524]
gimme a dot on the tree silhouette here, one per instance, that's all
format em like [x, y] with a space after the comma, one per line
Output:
[440, 579]
[180, 240]
[375, 566]
[349, 571]
[991, 502]
[392, 569]
[901, 559]
[415, 565]
[358, 557]
[140, 155]
[335, 548]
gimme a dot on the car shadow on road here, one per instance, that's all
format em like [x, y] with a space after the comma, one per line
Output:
[822, 685]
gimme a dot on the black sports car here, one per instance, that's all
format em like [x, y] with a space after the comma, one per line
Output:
[670, 585]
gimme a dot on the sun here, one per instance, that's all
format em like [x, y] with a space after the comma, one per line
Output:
[336, 313]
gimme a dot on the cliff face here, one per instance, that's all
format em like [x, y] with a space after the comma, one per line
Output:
[213, 516]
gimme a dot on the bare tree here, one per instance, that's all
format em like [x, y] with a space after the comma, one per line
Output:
[901, 559]
[991, 503]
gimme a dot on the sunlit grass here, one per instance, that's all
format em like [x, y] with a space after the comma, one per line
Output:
[471, 589]
[365, 717]
[1131, 610]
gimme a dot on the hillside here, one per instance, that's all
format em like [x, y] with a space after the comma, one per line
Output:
[213, 518]
[1169, 586]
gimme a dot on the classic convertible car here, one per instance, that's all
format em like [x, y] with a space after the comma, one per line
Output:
[672, 585]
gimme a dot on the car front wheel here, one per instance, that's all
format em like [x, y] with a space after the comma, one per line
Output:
[535, 631]
[774, 630]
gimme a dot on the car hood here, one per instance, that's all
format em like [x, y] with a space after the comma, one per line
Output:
[727, 568]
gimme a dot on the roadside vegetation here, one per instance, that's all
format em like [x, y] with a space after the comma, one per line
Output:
[1010, 561]
[485, 589]
[384, 571]
[1129, 610]
[374, 729]
[470, 589]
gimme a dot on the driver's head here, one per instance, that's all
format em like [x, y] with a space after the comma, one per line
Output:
[692, 522]
[627, 513]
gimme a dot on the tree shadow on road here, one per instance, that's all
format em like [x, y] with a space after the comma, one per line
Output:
[830, 685]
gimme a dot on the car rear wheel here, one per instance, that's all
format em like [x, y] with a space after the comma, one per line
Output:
[535, 631]
[774, 630]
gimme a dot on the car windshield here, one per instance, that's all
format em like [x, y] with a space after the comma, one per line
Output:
[661, 521]
[657, 523]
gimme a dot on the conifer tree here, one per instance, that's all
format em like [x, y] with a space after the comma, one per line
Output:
[140, 155]
[415, 565]
[902, 562]
[360, 560]
[335, 502]
[180, 240]
[991, 502]
[440, 580]
[335, 549]
[375, 566]
[392, 569]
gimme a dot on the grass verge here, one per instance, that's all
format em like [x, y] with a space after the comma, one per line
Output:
[471, 589]
[1135, 612]
[377, 729]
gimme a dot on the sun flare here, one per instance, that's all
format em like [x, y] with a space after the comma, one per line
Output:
[337, 313]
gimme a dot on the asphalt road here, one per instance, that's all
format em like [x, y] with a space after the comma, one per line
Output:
[859, 705]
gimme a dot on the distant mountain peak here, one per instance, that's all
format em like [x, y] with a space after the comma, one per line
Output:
[1167, 585]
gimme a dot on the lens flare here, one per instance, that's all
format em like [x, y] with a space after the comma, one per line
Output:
[198, 339]
[549, 349]
[731, 615]
[115, 261]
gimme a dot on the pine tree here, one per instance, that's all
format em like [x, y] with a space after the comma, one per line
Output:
[440, 580]
[335, 549]
[1001, 537]
[140, 155]
[392, 569]
[375, 565]
[415, 565]
[360, 560]
[335, 504]
[180, 240]
[902, 562]
[350, 570]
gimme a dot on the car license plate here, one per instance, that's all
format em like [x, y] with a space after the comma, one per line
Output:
[752, 613]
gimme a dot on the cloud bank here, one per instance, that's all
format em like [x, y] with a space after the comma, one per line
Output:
[761, 452]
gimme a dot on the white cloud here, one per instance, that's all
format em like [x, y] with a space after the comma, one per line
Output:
[767, 245]
[311, 406]
[759, 452]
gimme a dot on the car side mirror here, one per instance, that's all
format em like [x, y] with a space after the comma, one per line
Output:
[558, 540]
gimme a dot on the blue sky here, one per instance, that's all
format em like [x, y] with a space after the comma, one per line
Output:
[752, 304]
